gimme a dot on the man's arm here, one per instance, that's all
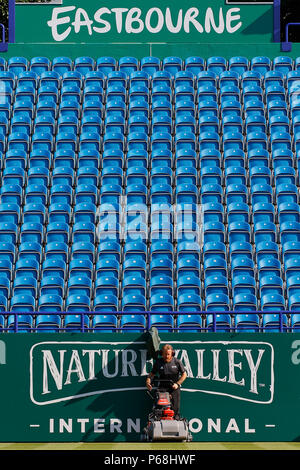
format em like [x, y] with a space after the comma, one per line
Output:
[148, 381]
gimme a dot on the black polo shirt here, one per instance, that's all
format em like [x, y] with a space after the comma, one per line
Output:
[168, 370]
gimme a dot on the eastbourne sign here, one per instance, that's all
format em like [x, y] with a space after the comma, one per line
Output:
[135, 20]
[99, 22]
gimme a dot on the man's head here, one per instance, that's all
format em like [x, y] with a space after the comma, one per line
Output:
[167, 352]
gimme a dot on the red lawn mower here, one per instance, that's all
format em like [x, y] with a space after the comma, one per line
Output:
[162, 424]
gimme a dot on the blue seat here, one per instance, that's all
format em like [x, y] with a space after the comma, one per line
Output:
[32, 232]
[133, 303]
[216, 64]
[53, 266]
[84, 64]
[6, 268]
[268, 267]
[105, 303]
[218, 322]
[4, 286]
[215, 285]
[133, 285]
[64, 158]
[8, 233]
[217, 302]
[128, 64]
[264, 231]
[274, 77]
[289, 231]
[39, 65]
[108, 266]
[63, 175]
[266, 250]
[283, 64]
[106, 64]
[161, 303]
[161, 285]
[38, 175]
[10, 213]
[247, 322]
[20, 323]
[172, 65]
[106, 285]
[22, 303]
[215, 266]
[163, 322]
[52, 285]
[189, 303]
[292, 287]
[238, 211]
[104, 323]
[139, 78]
[189, 323]
[288, 212]
[243, 284]
[239, 232]
[285, 175]
[295, 322]
[48, 323]
[274, 322]
[61, 65]
[59, 213]
[133, 323]
[61, 194]
[111, 249]
[76, 322]
[78, 303]
[286, 193]
[272, 303]
[238, 64]
[92, 107]
[261, 64]
[244, 302]
[83, 250]
[150, 65]
[36, 194]
[256, 124]
[194, 64]
[17, 64]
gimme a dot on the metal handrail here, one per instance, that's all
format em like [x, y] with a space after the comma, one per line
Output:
[83, 328]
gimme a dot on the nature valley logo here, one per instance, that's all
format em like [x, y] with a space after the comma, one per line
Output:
[61, 371]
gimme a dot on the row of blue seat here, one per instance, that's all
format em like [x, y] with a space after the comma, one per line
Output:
[150, 96]
[128, 64]
[248, 322]
[138, 79]
[182, 175]
[141, 125]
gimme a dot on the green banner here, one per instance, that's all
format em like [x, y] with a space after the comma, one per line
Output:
[91, 387]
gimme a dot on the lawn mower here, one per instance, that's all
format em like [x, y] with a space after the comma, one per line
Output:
[162, 424]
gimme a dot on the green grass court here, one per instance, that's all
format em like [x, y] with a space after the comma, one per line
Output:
[125, 446]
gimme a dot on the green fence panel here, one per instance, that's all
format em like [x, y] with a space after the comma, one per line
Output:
[91, 387]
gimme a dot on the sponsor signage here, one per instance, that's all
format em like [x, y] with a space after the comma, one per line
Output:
[91, 387]
[74, 21]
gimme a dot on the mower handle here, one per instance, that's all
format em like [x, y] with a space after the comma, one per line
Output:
[157, 380]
